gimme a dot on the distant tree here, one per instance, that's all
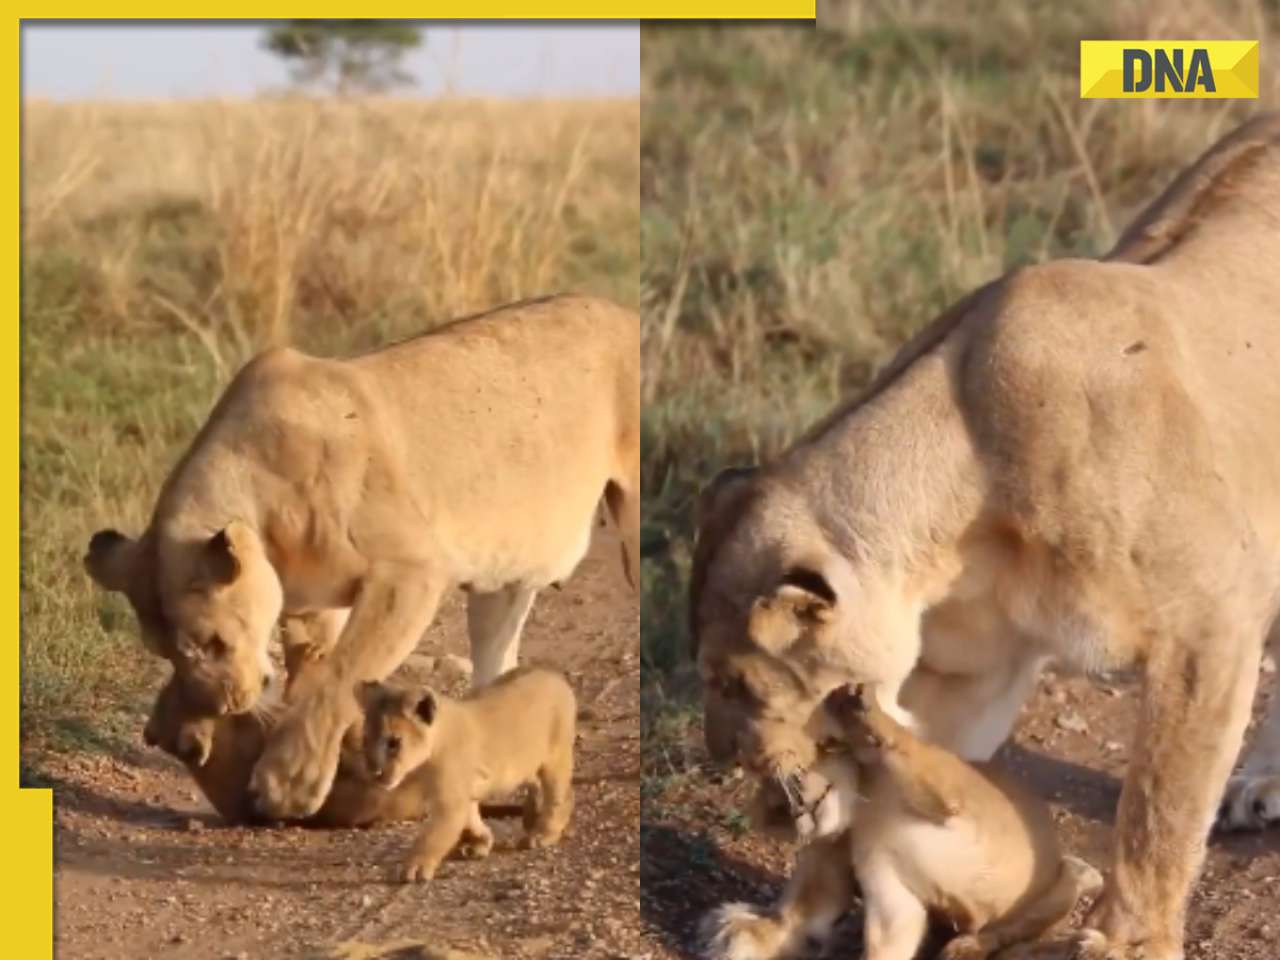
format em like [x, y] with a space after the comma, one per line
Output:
[347, 56]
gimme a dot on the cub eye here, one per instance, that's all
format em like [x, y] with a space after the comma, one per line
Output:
[393, 746]
[216, 645]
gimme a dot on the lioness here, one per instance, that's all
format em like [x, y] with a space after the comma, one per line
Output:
[220, 753]
[1078, 461]
[474, 455]
[933, 836]
[518, 731]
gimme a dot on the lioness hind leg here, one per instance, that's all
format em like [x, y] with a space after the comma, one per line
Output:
[494, 623]
[1076, 879]
[623, 502]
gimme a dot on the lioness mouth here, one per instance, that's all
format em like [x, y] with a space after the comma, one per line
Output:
[803, 814]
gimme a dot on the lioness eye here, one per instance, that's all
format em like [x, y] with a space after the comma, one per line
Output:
[393, 745]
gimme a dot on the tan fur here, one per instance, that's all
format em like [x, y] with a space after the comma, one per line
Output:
[473, 456]
[220, 753]
[517, 732]
[1078, 464]
[924, 833]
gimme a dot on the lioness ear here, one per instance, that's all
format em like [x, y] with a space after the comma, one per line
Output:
[723, 487]
[803, 598]
[426, 707]
[225, 551]
[109, 559]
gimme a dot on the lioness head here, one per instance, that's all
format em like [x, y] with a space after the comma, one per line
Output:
[208, 606]
[399, 731]
[778, 618]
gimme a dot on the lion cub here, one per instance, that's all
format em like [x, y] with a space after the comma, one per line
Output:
[220, 753]
[517, 731]
[941, 837]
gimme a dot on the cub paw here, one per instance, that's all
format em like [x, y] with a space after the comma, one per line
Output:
[537, 841]
[847, 701]
[1250, 803]
[738, 931]
[966, 947]
[475, 848]
[416, 870]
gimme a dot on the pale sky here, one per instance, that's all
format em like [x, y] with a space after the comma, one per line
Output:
[79, 60]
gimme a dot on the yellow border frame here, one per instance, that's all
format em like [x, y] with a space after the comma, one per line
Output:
[27, 815]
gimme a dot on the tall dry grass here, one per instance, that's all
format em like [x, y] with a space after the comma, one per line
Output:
[810, 198]
[163, 244]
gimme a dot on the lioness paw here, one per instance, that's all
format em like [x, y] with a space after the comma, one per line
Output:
[1250, 803]
[1081, 945]
[739, 931]
[295, 773]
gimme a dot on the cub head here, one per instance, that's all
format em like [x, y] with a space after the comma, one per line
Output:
[400, 730]
[208, 606]
[778, 618]
[176, 730]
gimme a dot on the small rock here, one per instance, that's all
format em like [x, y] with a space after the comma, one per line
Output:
[1072, 722]
[192, 825]
[1113, 746]
[1268, 664]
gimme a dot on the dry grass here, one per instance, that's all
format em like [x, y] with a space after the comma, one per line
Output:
[811, 198]
[165, 243]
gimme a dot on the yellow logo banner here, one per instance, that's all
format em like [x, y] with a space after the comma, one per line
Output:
[1169, 69]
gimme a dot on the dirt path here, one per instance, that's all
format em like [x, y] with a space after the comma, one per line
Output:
[145, 869]
[1071, 746]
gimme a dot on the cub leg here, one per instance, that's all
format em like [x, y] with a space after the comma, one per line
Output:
[896, 921]
[917, 769]
[395, 604]
[1252, 800]
[449, 818]
[555, 780]
[1076, 879]
[477, 838]
[494, 622]
[307, 638]
[818, 893]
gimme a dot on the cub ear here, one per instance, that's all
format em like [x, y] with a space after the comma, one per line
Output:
[368, 693]
[724, 486]
[226, 550]
[425, 708]
[803, 598]
[109, 559]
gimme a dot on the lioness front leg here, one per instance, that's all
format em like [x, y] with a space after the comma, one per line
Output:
[494, 623]
[818, 893]
[1196, 701]
[395, 604]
